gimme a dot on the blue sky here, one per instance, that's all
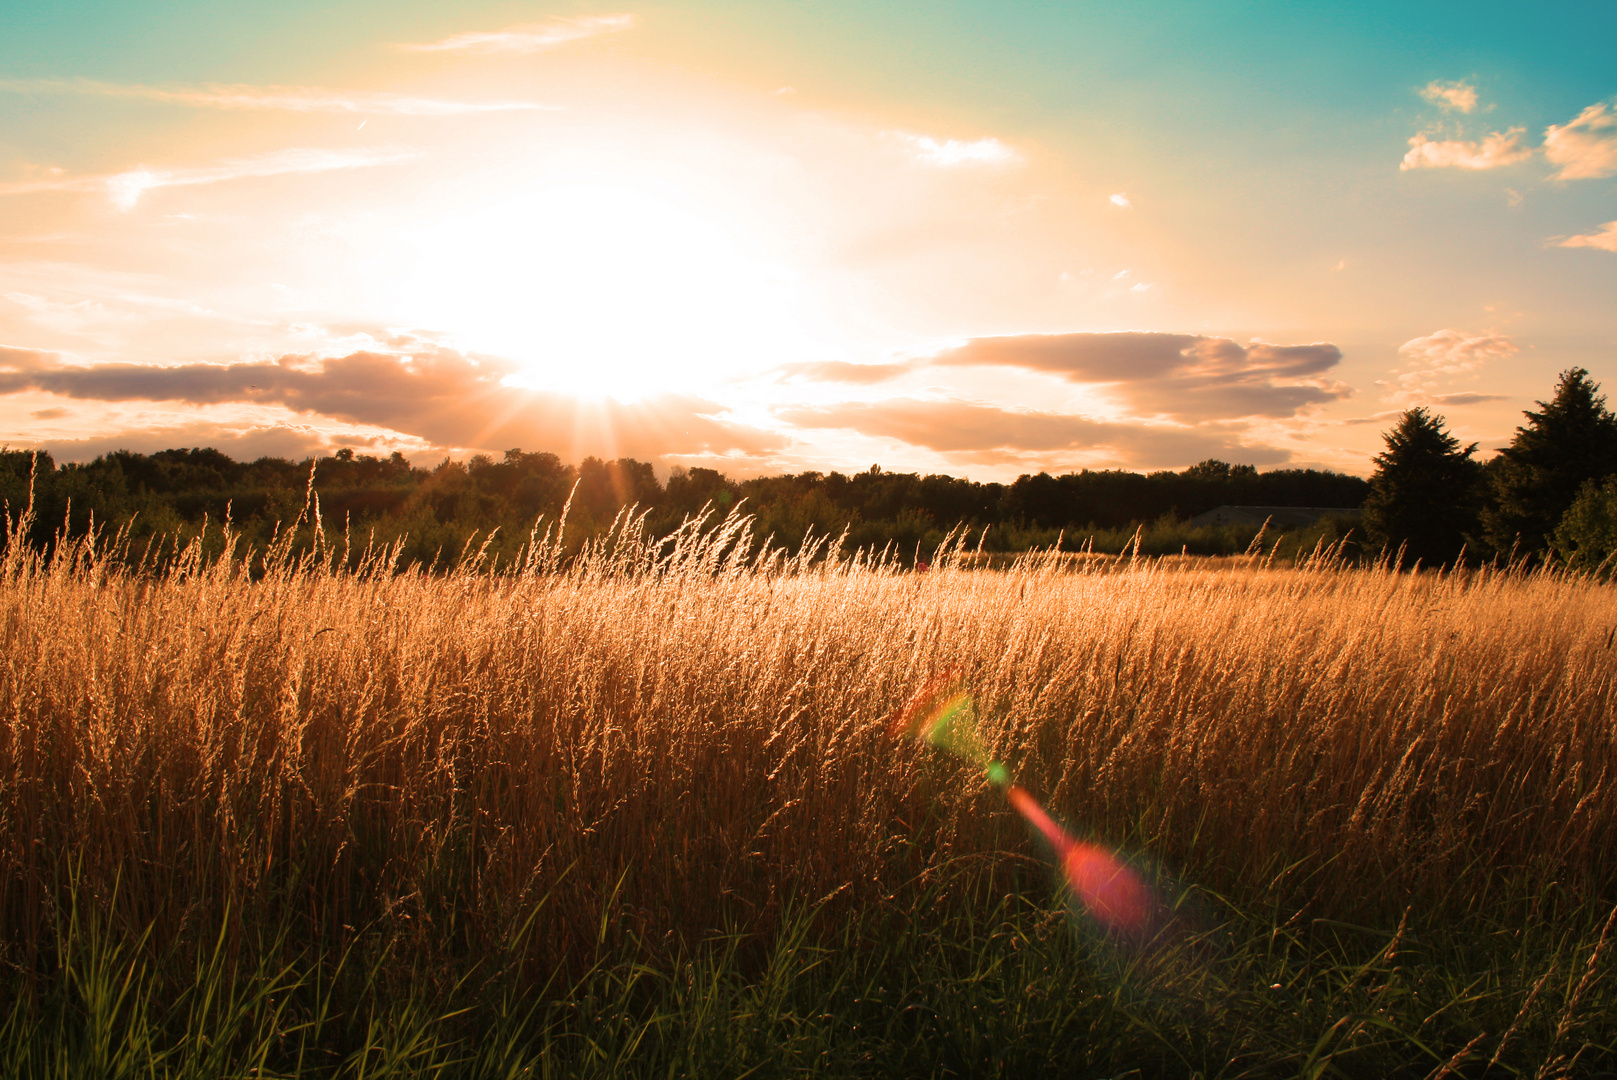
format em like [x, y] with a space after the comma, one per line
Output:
[753, 236]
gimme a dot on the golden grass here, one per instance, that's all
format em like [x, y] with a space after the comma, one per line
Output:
[688, 737]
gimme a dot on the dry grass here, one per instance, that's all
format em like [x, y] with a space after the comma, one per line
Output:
[661, 742]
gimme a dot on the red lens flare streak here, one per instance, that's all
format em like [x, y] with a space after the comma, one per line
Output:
[1112, 893]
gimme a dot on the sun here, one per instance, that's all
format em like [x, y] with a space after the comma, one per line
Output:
[604, 286]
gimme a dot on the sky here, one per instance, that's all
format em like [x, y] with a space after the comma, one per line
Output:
[975, 238]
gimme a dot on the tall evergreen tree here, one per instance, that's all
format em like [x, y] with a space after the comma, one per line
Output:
[1572, 441]
[1426, 492]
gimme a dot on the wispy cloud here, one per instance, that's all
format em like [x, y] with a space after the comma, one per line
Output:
[1373, 418]
[950, 425]
[1458, 96]
[1585, 147]
[1497, 150]
[1121, 200]
[840, 371]
[1604, 239]
[1443, 401]
[1442, 355]
[527, 37]
[954, 153]
[969, 428]
[1467, 399]
[126, 188]
[1450, 352]
[304, 99]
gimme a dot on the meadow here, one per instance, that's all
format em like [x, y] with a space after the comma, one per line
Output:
[639, 809]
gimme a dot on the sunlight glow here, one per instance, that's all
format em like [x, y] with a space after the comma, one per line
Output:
[606, 286]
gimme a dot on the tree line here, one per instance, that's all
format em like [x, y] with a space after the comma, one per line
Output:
[435, 512]
[1550, 495]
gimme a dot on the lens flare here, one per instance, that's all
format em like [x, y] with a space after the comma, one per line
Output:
[1110, 891]
[920, 711]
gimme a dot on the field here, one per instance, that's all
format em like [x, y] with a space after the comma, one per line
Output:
[641, 811]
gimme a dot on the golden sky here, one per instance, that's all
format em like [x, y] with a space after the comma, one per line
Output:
[964, 238]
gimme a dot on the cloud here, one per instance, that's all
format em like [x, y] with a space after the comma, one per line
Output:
[957, 153]
[1605, 239]
[1186, 377]
[955, 427]
[1458, 96]
[527, 37]
[1442, 355]
[437, 394]
[1495, 151]
[1446, 401]
[839, 371]
[1375, 418]
[241, 443]
[1467, 399]
[126, 188]
[303, 99]
[1450, 352]
[950, 426]
[1121, 200]
[13, 359]
[1585, 147]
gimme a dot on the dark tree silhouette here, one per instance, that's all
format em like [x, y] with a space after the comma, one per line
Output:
[1218, 471]
[1426, 492]
[605, 487]
[1535, 479]
[436, 512]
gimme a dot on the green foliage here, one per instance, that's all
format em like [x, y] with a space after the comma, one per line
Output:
[1571, 441]
[1426, 492]
[957, 977]
[1586, 538]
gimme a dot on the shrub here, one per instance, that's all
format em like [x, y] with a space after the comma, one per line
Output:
[1587, 534]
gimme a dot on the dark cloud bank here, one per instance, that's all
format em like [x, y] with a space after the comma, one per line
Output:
[436, 394]
[1185, 377]
[1206, 387]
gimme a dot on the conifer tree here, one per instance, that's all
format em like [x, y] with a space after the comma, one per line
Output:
[1535, 480]
[1426, 492]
